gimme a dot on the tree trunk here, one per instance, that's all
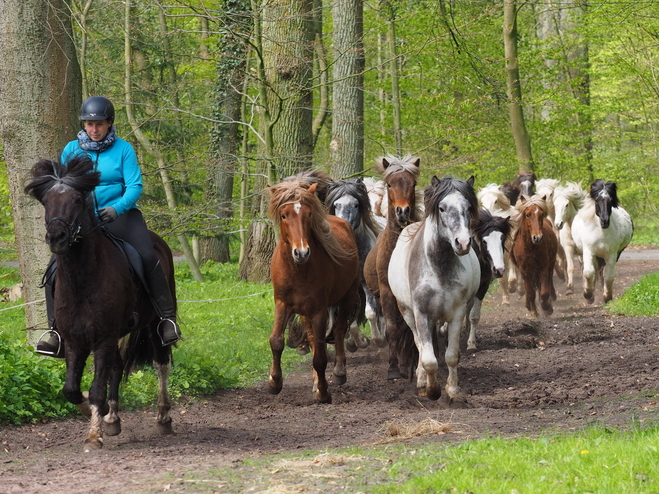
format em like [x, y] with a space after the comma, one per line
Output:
[518, 127]
[146, 143]
[224, 143]
[393, 74]
[347, 146]
[284, 45]
[39, 102]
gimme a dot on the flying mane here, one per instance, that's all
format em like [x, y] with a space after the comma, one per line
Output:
[292, 190]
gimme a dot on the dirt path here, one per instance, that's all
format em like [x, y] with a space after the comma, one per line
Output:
[576, 368]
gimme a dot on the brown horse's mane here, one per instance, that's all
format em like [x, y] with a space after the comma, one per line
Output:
[397, 165]
[293, 190]
[520, 207]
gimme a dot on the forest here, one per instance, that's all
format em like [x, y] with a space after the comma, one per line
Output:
[222, 98]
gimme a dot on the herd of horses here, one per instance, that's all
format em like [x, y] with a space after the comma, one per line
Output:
[415, 263]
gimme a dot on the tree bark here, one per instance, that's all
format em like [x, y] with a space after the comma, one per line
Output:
[347, 145]
[514, 85]
[225, 138]
[39, 102]
[146, 143]
[284, 47]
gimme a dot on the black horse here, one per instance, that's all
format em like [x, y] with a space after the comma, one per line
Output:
[98, 298]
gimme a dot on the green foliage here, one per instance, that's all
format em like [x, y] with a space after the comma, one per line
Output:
[641, 299]
[226, 323]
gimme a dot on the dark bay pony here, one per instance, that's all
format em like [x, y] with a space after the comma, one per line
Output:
[524, 184]
[400, 176]
[491, 238]
[534, 252]
[348, 199]
[315, 273]
[97, 298]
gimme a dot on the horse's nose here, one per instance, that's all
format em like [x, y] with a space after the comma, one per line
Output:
[497, 272]
[301, 255]
[56, 240]
[604, 223]
[559, 224]
[536, 238]
[403, 213]
[462, 246]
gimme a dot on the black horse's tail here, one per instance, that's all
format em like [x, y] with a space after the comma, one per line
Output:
[137, 350]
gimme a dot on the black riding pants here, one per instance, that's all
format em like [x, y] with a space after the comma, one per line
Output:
[131, 227]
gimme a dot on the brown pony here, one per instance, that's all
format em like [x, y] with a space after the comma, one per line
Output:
[400, 176]
[314, 273]
[534, 252]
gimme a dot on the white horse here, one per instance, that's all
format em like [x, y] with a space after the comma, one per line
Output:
[434, 275]
[493, 198]
[568, 200]
[601, 230]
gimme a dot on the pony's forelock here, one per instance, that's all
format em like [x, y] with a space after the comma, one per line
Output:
[407, 163]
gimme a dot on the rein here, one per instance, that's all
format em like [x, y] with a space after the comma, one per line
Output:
[74, 228]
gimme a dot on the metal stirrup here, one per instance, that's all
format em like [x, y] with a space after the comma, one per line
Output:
[59, 343]
[177, 331]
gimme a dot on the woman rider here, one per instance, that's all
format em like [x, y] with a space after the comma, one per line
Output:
[115, 198]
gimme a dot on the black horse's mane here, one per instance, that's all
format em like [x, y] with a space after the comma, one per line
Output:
[77, 174]
[488, 222]
[599, 186]
[353, 187]
[440, 188]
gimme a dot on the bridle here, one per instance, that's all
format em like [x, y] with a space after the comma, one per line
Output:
[74, 227]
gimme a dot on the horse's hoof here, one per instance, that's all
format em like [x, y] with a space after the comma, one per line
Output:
[112, 428]
[85, 409]
[393, 374]
[351, 346]
[434, 394]
[303, 349]
[380, 342]
[93, 445]
[274, 387]
[320, 399]
[365, 343]
[589, 298]
[165, 427]
[421, 392]
[340, 379]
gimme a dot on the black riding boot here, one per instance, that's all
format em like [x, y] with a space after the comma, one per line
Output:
[158, 286]
[54, 345]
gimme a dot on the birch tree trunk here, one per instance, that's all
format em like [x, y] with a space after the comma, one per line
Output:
[39, 103]
[517, 124]
[347, 145]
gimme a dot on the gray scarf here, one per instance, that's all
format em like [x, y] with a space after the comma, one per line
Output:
[85, 142]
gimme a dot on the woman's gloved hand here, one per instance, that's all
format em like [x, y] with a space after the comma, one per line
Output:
[107, 214]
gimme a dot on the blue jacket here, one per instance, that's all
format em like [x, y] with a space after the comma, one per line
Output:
[121, 177]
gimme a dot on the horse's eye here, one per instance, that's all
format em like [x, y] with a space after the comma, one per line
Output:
[441, 209]
[283, 216]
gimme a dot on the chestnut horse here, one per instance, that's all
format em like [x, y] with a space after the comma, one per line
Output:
[400, 176]
[97, 298]
[534, 252]
[315, 273]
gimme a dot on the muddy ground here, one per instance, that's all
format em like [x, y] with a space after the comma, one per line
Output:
[561, 373]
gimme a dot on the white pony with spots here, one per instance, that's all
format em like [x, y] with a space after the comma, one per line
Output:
[434, 275]
[601, 230]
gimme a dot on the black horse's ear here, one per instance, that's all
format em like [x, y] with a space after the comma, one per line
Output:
[417, 162]
[434, 180]
[471, 181]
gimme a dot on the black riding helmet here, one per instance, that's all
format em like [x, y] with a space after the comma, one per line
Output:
[97, 108]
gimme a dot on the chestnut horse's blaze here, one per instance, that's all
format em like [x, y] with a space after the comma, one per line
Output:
[534, 252]
[314, 271]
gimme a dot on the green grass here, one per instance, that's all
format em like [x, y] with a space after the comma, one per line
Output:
[641, 299]
[226, 323]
